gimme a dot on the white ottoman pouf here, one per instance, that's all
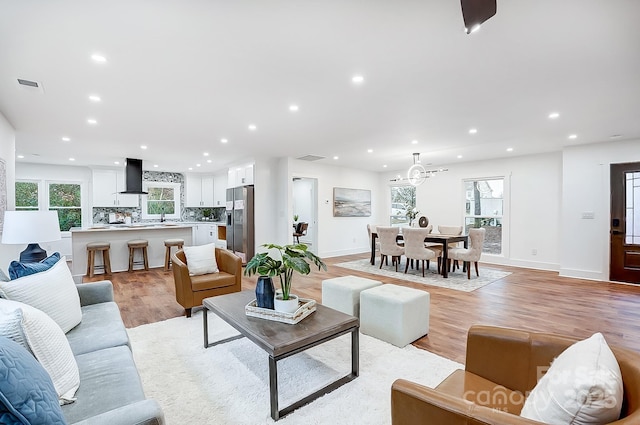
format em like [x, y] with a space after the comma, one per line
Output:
[343, 293]
[395, 314]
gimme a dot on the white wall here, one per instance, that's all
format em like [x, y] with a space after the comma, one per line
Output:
[585, 242]
[337, 235]
[532, 204]
[8, 154]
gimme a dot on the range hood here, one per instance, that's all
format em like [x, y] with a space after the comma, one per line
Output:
[133, 177]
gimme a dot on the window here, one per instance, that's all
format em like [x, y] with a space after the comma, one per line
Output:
[26, 195]
[484, 208]
[403, 199]
[163, 198]
[65, 198]
[632, 224]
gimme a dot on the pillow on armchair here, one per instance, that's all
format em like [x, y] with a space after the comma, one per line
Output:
[201, 259]
[27, 394]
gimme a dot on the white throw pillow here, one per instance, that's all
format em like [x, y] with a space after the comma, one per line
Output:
[48, 344]
[582, 386]
[201, 259]
[52, 291]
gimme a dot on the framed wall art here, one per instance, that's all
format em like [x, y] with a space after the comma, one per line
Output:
[3, 191]
[351, 202]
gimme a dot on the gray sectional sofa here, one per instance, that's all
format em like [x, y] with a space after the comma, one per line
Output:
[110, 388]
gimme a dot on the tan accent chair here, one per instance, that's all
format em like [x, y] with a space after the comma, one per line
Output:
[501, 367]
[471, 254]
[414, 248]
[191, 290]
[373, 228]
[388, 245]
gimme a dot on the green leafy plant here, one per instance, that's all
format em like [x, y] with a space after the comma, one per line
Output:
[293, 257]
[295, 218]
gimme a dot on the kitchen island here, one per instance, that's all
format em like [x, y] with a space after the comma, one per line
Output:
[118, 235]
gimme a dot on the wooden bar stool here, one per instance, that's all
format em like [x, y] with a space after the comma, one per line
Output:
[168, 244]
[103, 247]
[133, 245]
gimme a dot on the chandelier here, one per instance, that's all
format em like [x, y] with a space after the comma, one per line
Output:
[417, 174]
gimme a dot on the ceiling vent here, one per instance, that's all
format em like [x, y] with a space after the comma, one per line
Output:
[29, 85]
[311, 157]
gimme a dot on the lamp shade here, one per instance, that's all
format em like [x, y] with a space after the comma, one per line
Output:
[28, 227]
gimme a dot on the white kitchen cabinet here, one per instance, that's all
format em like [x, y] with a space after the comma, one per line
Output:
[107, 185]
[220, 190]
[240, 175]
[199, 190]
[205, 233]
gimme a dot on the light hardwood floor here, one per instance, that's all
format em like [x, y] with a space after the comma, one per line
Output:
[526, 299]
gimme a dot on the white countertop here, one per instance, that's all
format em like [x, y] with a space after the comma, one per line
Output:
[127, 227]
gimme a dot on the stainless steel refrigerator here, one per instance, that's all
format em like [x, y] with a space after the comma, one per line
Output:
[240, 226]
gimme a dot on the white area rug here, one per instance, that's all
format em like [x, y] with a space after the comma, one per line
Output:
[456, 280]
[229, 383]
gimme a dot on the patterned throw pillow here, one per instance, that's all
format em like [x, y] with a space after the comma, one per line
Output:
[27, 394]
[17, 269]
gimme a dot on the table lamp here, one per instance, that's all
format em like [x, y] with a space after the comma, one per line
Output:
[31, 227]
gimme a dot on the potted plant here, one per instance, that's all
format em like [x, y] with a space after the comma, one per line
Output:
[290, 258]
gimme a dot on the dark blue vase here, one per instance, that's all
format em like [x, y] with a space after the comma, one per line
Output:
[265, 292]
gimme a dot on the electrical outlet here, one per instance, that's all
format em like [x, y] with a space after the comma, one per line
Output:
[534, 251]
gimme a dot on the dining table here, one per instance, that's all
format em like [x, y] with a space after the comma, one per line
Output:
[445, 240]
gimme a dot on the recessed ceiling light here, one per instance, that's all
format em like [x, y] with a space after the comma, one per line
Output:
[116, 162]
[98, 58]
[155, 165]
[21, 156]
[459, 156]
[206, 154]
[197, 165]
[370, 150]
[72, 159]
[335, 157]
[252, 127]
[554, 115]
[384, 166]
[573, 136]
[66, 139]
[209, 161]
[293, 108]
[414, 142]
[143, 146]
[357, 79]
[223, 140]
[509, 149]
[190, 168]
[92, 121]
[473, 131]
[94, 98]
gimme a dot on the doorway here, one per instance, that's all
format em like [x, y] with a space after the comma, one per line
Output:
[305, 206]
[624, 264]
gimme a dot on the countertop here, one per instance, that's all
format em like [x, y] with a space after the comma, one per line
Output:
[128, 227]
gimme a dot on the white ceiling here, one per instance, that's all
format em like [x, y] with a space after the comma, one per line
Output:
[181, 75]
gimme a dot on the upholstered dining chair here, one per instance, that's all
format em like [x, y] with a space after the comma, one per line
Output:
[372, 228]
[451, 230]
[301, 230]
[471, 254]
[414, 248]
[388, 245]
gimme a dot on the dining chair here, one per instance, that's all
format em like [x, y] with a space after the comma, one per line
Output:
[372, 228]
[414, 248]
[301, 230]
[388, 245]
[451, 230]
[470, 254]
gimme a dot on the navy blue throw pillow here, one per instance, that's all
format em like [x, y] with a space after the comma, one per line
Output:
[27, 394]
[18, 269]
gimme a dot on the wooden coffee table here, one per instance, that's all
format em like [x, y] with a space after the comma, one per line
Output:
[281, 340]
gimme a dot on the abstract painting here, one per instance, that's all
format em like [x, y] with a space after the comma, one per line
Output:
[351, 202]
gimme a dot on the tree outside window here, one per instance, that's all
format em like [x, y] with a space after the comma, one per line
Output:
[65, 198]
[26, 196]
[403, 199]
[484, 208]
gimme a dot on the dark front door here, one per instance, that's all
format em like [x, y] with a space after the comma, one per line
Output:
[624, 264]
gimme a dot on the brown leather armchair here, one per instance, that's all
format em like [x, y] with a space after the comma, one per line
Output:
[501, 366]
[191, 290]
